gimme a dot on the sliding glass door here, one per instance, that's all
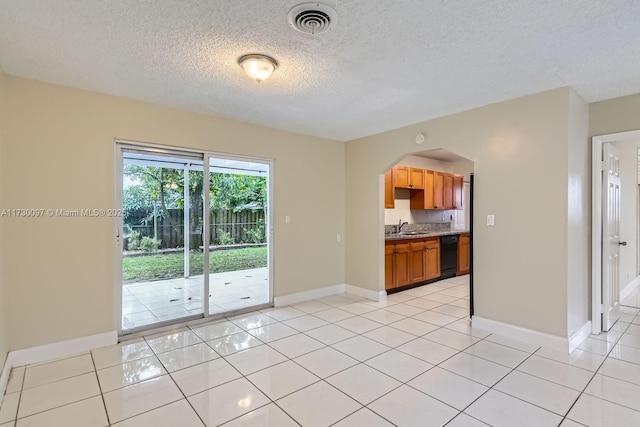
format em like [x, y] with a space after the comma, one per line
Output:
[190, 247]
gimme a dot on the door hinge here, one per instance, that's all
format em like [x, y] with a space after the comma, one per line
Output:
[602, 165]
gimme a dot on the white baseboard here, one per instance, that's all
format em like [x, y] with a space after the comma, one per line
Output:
[630, 288]
[52, 351]
[327, 291]
[60, 349]
[366, 293]
[553, 342]
[308, 295]
[579, 336]
[4, 378]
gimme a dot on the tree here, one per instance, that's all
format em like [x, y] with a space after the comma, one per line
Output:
[157, 189]
[238, 192]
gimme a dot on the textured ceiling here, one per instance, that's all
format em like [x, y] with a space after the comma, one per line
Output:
[386, 64]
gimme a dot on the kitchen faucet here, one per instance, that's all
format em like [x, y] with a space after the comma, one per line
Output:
[401, 224]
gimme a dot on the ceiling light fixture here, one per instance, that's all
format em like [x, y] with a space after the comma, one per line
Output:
[258, 67]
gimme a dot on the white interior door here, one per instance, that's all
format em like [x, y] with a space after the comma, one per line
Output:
[611, 237]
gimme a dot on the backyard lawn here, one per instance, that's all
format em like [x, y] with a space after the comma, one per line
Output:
[170, 266]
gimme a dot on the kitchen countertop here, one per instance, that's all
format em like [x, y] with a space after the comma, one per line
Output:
[422, 235]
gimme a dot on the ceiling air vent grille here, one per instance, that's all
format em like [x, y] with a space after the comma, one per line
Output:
[312, 18]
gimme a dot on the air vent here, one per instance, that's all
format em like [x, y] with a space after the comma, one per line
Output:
[312, 18]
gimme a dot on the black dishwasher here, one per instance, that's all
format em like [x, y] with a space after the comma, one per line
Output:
[448, 256]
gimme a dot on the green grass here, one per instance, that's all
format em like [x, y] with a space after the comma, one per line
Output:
[171, 266]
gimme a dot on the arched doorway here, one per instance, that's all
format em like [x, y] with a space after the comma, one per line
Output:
[427, 223]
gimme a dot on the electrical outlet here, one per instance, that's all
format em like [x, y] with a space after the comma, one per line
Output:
[338, 238]
[287, 219]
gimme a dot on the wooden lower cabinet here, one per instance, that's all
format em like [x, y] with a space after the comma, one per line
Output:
[409, 262]
[418, 267]
[389, 266]
[432, 259]
[464, 258]
[402, 267]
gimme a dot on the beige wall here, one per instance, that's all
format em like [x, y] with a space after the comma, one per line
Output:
[4, 305]
[60, 142]
[614, 115]
[521, 166]
[628, 210]
[578, 215]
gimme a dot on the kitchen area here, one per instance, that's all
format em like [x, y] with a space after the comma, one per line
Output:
[427, 219]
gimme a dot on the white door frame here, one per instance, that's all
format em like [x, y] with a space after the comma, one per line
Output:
[596, 221]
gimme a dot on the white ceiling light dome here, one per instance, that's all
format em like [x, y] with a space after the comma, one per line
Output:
[312, 18]
[257, 66]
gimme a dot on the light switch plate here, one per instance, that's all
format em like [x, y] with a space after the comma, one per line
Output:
[491, 220]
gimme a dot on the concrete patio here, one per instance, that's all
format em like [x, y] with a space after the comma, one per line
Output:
[146, 303]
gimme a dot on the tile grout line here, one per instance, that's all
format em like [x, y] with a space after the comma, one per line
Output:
[24, 376]
[182, 393]
[597, 373]
[269, 397]
[104, 403]
[591, 379]
[22, 388]
[469, 379]
[405, 383]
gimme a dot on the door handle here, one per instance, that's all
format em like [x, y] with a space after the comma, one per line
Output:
[622, 243]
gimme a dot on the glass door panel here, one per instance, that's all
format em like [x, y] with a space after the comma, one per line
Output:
[162, 245]
[239, 234]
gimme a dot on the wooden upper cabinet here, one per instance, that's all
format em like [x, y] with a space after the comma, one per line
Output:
[406, 177]
[389, 190]
[438, 190]
[429, 182]
[416, 179]
[448, 191]
[401, 176]
[458, 183]
[424, 199]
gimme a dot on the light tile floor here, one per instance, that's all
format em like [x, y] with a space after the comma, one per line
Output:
[413, 360]
[146, 303]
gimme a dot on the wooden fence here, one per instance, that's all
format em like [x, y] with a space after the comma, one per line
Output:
[225, 227]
